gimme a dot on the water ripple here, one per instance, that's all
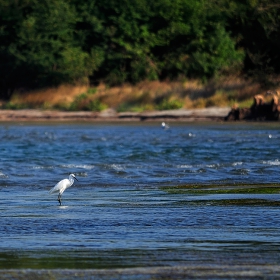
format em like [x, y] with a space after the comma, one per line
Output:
[130, 195]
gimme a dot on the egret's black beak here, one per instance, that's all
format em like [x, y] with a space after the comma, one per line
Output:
[76, 179]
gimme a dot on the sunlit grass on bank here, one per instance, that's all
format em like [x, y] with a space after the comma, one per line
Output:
[144, 96]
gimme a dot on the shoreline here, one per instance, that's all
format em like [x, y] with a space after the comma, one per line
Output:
[110, 115]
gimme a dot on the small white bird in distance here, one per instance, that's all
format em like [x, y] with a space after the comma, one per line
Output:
[164, 125]
[61, 186]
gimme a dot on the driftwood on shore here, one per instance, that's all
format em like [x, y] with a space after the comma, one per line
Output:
[259, 111]
[110, 115]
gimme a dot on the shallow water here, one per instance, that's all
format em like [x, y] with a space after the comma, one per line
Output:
[134, 204]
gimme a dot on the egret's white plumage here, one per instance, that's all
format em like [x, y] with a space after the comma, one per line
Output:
[61, 186]
[164, 125]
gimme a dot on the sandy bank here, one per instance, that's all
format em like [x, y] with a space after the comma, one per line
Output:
[211, 114]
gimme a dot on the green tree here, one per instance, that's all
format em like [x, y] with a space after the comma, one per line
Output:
[256, 25]
[124, 31]
[45, 43]
[49, 42]
[11, 15]
[40, 49]
[142, 39]
[197, 41]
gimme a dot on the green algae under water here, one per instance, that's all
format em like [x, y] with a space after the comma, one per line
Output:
[236, 188]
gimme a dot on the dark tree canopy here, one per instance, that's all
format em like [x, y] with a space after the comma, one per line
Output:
[51, 42]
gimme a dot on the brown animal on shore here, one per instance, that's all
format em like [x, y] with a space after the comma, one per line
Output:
[260, 110]
[257, 109]
[258, 100]
[274, 104]
[238, 114]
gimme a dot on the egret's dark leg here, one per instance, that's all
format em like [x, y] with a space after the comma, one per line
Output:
[59, 199]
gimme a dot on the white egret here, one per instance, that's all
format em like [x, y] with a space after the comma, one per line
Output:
[61, 186]
[164, 125]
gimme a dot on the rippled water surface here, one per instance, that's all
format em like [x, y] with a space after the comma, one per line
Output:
[145, 196]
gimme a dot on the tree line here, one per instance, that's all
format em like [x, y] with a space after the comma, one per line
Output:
[50, 42]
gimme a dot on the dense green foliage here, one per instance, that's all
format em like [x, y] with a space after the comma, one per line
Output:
[50, 42]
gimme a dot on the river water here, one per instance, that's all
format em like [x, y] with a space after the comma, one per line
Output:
[145, 196]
